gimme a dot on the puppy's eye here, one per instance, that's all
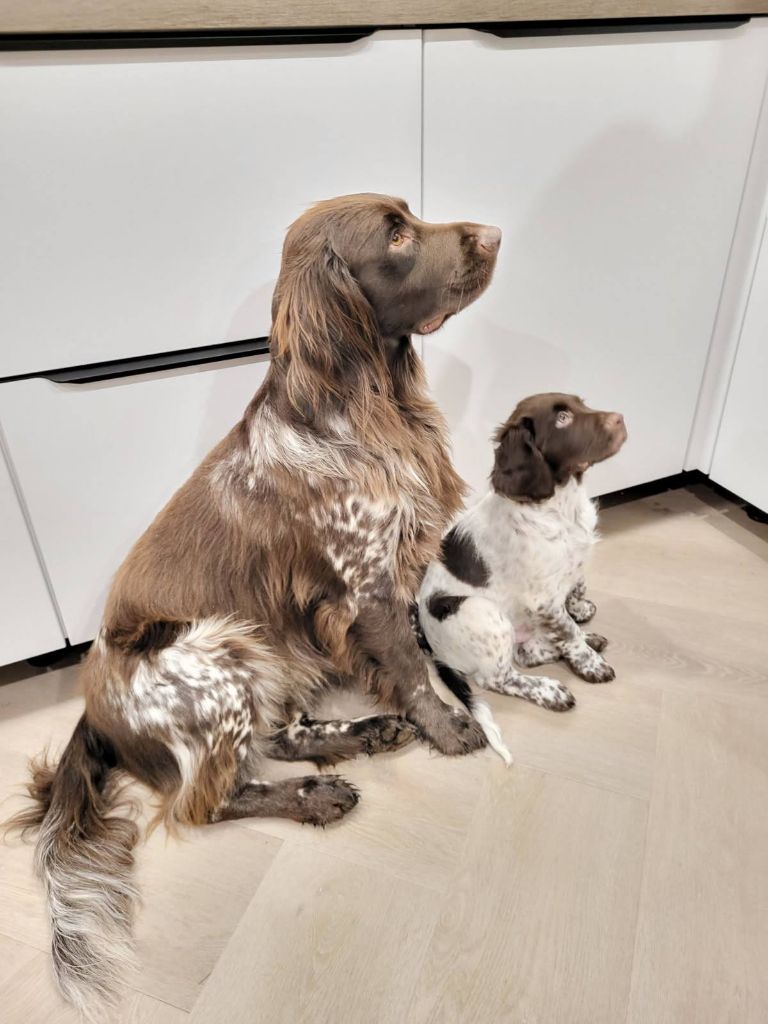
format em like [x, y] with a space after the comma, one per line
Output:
[396, 238]
[564, 418]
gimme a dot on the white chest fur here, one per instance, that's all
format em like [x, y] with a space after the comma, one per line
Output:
[535, 552]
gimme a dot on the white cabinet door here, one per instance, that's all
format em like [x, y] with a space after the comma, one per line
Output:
[28, 622]
[145, 193]
[97, 462]
[741, 453]
[614, 166]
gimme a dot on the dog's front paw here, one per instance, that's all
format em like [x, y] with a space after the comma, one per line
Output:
[453, 733]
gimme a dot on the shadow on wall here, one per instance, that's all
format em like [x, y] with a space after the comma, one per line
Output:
[251, 310]
[184, 419]
[225, 409]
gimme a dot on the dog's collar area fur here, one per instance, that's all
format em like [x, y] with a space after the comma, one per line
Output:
[520, 499]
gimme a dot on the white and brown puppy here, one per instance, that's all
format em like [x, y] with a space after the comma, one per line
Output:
[509, 583]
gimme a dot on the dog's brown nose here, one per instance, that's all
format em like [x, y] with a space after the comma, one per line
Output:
[614, 420]
[488, 238]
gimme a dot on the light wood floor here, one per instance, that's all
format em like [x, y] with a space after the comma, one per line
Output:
[618, 872]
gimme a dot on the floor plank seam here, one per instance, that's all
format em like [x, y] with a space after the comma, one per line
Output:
[23, 942]
[579, 782]
[155, 998]
[641, 886]
[348, 859]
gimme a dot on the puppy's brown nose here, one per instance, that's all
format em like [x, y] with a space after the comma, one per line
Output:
[488, 238]
[614, 421]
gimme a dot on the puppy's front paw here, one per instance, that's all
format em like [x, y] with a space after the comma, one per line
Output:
[454, 732]
[551, 694]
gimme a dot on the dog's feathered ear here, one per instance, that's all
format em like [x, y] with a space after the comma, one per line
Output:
[323, 327]
[519, 468]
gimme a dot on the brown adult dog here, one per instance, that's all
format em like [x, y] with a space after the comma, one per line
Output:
[283, 567]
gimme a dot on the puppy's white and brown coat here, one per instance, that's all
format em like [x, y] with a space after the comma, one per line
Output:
[509, 583]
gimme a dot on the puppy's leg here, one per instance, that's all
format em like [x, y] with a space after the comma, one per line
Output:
[558, 626]
[478, 639]
[541, 690]
[536, 651]
[578, 606]
[541, 651]
[316, 800]
[326, 743]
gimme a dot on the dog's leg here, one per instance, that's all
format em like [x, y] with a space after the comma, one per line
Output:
[325, 743]
[500, 675]
[577, 604]
[558, 626]
[316, 800]
[536, 651]
[396, 671]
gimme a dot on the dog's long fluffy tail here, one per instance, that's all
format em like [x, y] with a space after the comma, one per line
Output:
[84, 858]
[479, 710]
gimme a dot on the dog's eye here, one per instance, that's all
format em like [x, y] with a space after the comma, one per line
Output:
[564, 418]
[396, 238]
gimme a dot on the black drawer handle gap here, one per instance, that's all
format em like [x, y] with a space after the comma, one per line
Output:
[113, 369]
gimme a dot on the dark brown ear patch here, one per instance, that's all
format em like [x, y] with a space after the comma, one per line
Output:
[442, 605]
[519, 469]
[461, 558]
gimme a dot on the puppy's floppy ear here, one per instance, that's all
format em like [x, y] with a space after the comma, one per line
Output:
[323, 327]
[519, 468]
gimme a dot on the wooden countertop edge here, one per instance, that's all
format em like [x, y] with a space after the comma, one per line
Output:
[104, 16]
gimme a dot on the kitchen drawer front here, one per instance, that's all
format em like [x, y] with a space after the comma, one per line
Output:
[145, 193]
[28, 621]
[96, 462]
[615, 167]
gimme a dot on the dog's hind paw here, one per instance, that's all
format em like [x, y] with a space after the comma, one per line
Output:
[325, 799]
[581, 610]
[596, 641]
[594, 671]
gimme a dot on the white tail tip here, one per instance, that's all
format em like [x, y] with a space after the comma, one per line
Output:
[484, 717]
